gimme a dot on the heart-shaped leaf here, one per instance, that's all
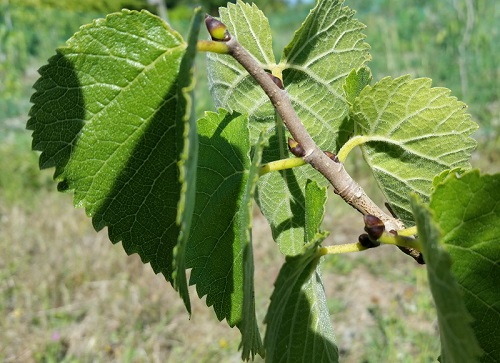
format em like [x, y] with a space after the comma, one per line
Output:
[111, 112]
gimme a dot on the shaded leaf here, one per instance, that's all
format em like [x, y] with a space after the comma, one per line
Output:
[251, 342]
[458, 343]
[298, 322]
[110, 113]
[215, 245]
[188, 159]
[467, 209]
[415, 132]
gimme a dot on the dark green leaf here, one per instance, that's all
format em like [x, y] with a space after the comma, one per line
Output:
[467, 210]
[298, 322]
[215, 245]
[251, 342]
[458, 343]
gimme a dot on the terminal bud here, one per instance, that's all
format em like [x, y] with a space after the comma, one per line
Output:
[218, 31]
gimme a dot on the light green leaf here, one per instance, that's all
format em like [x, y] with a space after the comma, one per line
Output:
[251, 342]
[230, 84]
[314, 66]
[458, 343]
[355, 82]
[110, 113]
[322, 53]
[412, 133]
[298, 322]
[467, 209]
[215, 247]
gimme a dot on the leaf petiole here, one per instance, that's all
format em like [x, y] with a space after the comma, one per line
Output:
[344, 248]
[281, 165]
[401, 241]
[408, 232]
[212, 46]
[351, 144]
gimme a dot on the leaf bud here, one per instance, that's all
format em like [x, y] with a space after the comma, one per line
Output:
[367, 242]
[373, 226]
[331, 156]
[218, 31]
[277, 81]
[295, 148]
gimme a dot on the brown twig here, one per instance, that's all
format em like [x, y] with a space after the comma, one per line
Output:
[343, 184]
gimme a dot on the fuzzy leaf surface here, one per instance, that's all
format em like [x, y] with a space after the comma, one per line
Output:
[458, 343]
[414, 132]
[467, 209]
[215, 245]
[322, 53]
[314, 66]
[230, 84]
[110, 112]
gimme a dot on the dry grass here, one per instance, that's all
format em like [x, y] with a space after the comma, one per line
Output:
[69, 294]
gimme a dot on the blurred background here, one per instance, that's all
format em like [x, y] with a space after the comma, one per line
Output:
[68, 295]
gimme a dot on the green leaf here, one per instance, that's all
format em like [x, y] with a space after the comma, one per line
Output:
[467, 209]
[458, 343]
[355, 82]
[298, 322]
[230, 84]
[315, 211]
[110, 113]
[188, 162]
[215, 245]
[251, 342]
[322, 53]
[412, 132]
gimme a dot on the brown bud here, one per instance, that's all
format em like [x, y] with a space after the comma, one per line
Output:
[295, 148]
[277, 81]
[367, 242]
[218, 31]
[331, 156]
[373, 226]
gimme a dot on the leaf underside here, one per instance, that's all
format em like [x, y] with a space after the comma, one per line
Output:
[415, 132]
[327, 47]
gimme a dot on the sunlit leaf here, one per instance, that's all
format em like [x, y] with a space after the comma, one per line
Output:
[414, 132]
[110, 112]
